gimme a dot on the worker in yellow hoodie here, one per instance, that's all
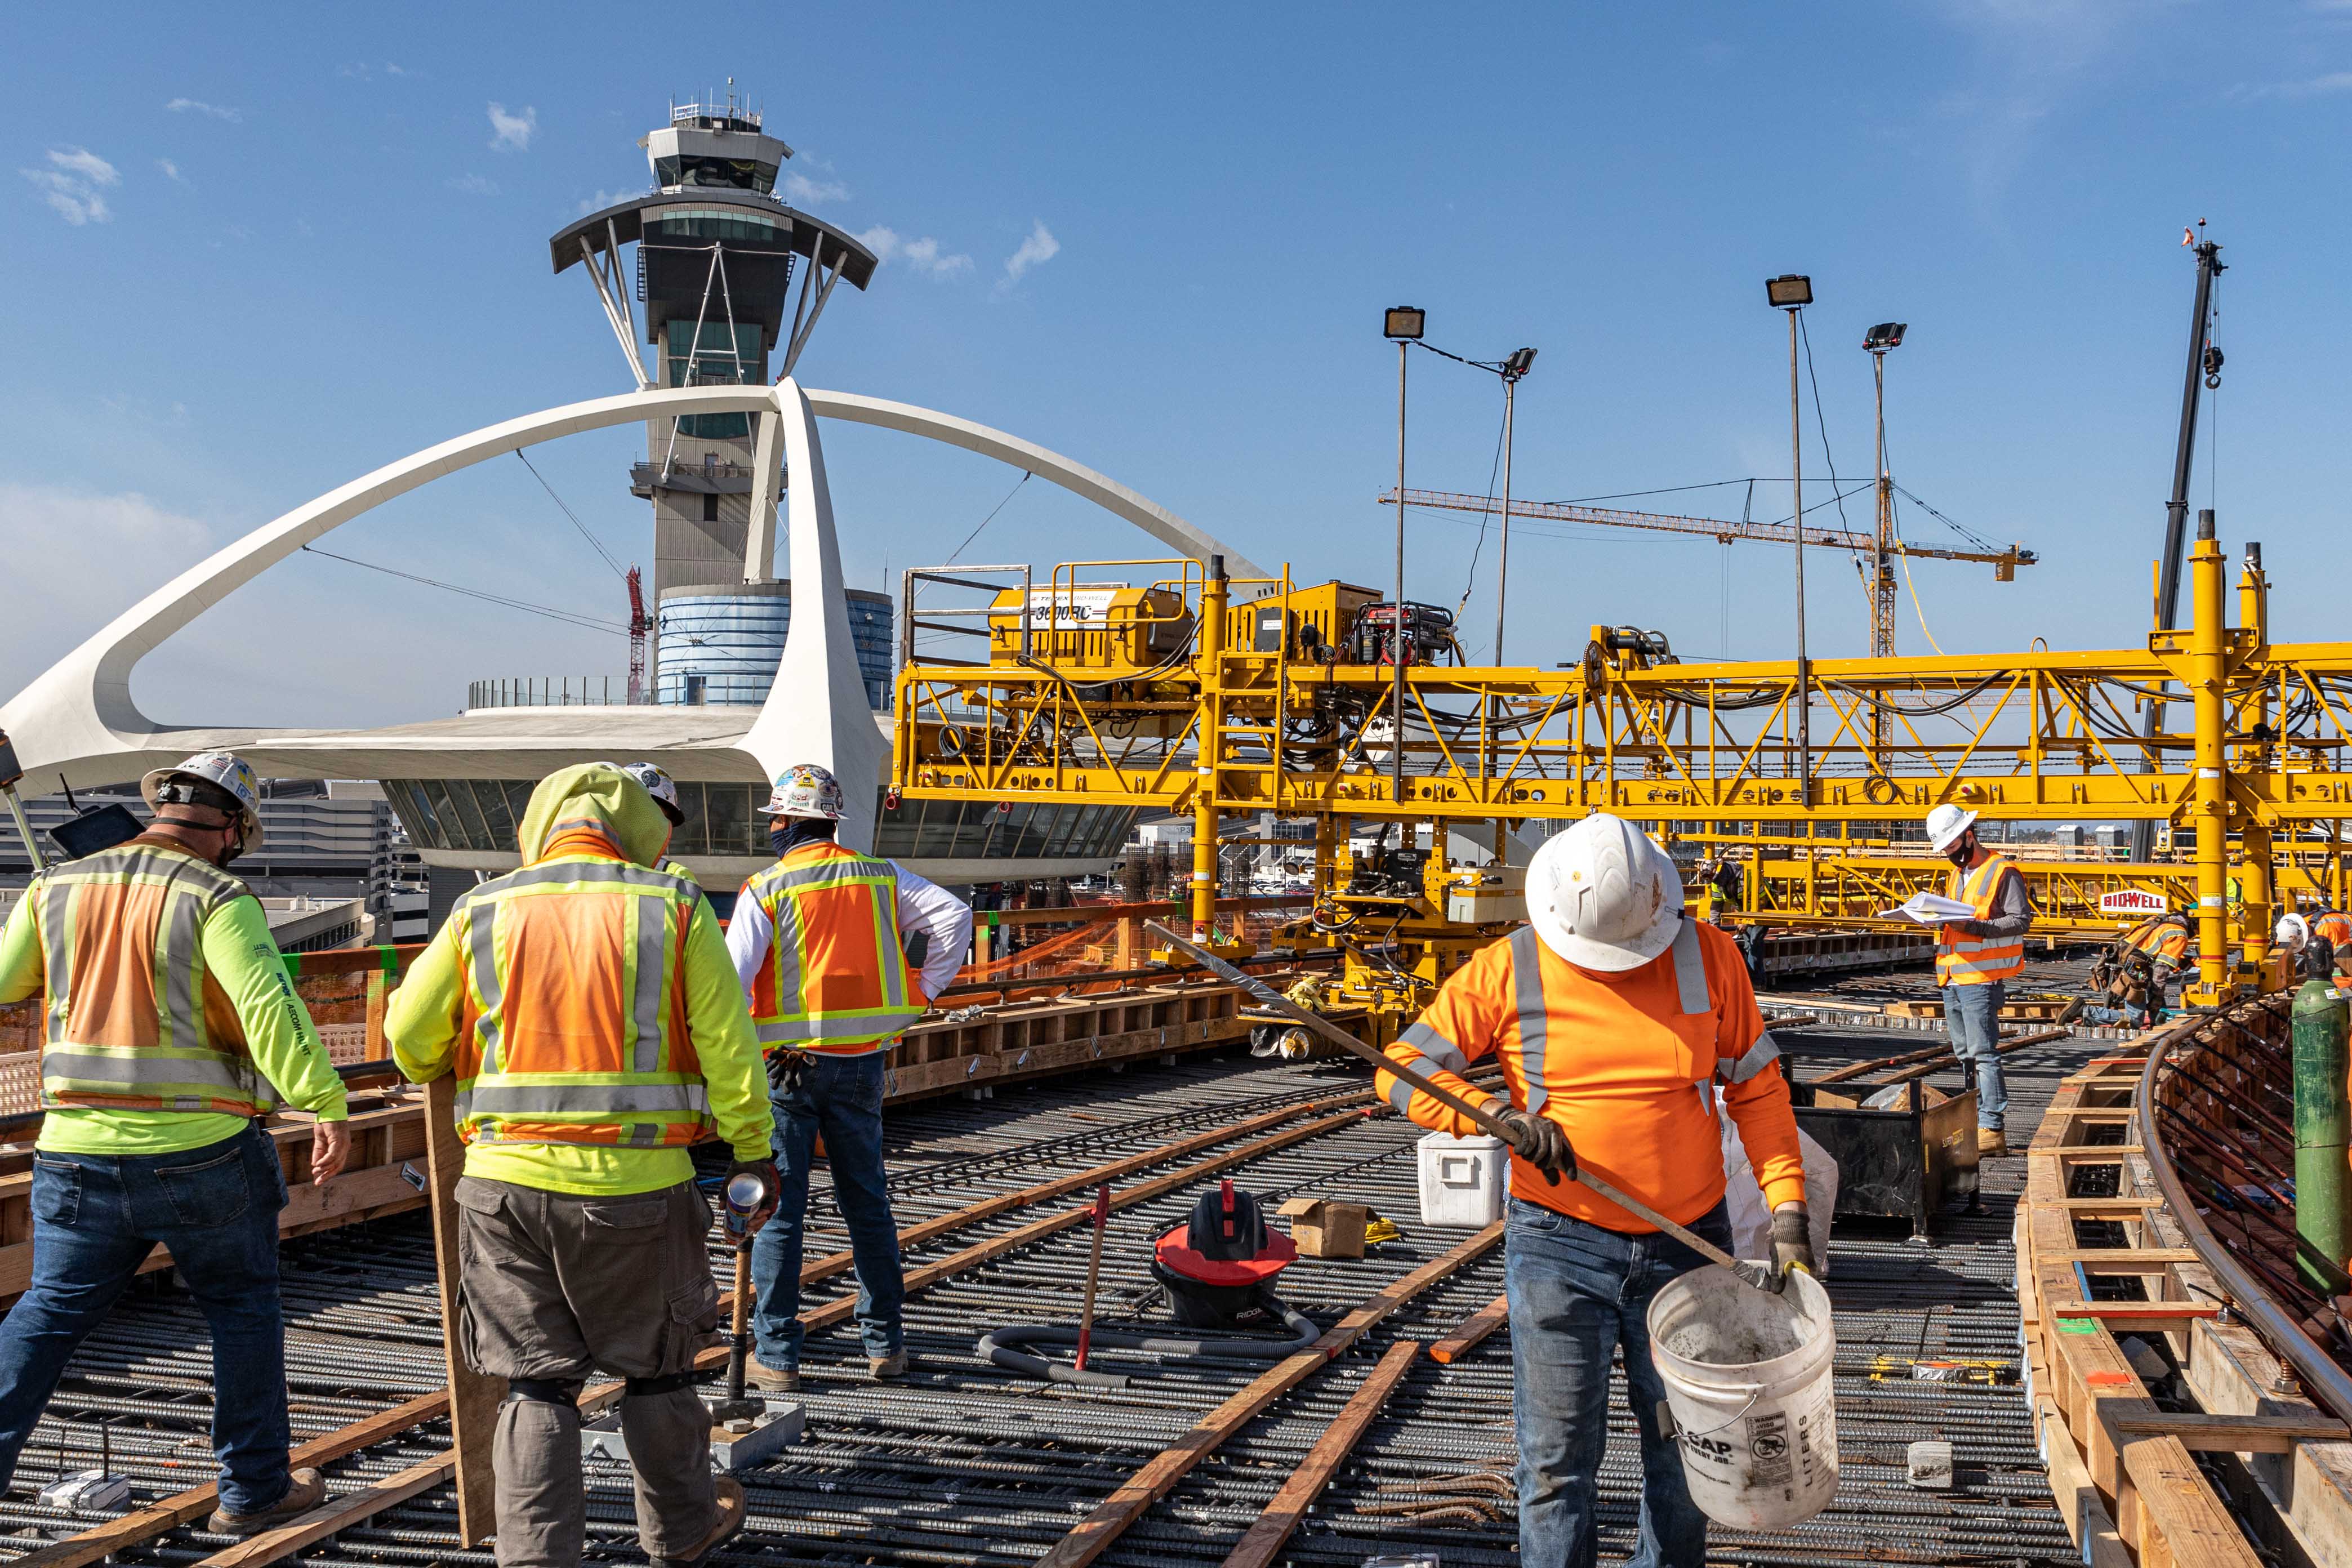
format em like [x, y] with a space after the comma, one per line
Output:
[169, 1031]
[587, 1005]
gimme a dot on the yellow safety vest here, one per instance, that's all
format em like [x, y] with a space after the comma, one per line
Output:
[1963, 960]
[836, 980]
[574, 1017]
[2161, 938]
[132, 1021]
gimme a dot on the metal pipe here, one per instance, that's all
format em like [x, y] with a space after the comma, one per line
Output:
[1797, 501]
[2323, 1127]
[2208, 643]
[1210, 743]
[2326, 1383]
[1396, 626]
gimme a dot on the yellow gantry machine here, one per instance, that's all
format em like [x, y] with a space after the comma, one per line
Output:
[1231, 699]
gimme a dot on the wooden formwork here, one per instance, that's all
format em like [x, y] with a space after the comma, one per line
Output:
[347, 989]
[2122, 1468]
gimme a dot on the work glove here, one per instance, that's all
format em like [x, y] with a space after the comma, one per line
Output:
[1541, 1142]
[785, 1066]
[772, 1186]
[1792, 1239]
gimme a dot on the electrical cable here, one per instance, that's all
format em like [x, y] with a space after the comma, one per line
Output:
[567, 616]
[1470, 585]
[1805, 334]
[593, 542]
[984, 521]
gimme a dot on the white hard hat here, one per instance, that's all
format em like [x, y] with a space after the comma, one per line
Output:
[1603, 896]
[225, 772]
[806, 790]
[661, 787]
[1944, 826]
[2293, 930]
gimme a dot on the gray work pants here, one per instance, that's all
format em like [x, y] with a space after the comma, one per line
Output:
[555, 1287]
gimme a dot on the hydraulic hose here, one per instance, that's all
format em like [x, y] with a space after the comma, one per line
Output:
[998, 1345]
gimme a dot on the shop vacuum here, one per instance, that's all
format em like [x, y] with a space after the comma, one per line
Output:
[1218, 1270]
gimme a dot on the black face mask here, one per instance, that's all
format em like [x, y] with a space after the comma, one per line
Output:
[1961, 853]
[234, 845]
[790, 832]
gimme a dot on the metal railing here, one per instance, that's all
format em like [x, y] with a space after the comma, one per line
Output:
[554, 691]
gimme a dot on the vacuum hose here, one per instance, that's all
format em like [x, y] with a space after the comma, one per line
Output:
[999, 1346]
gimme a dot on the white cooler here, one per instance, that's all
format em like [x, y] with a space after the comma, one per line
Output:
[1463, 1180]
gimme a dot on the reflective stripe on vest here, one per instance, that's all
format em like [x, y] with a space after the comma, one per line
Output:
[1963, 960]
[576, 1028]
[1691, 994]
[836, 980]
[125, 1027]
[2163, 940]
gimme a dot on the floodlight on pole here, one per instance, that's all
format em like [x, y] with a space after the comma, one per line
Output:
[1885, 336]
[1793, 291]
[1880, 341]
[1403, 322]
[1402, 325]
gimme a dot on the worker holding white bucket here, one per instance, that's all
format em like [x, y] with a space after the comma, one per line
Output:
[1613, 1016]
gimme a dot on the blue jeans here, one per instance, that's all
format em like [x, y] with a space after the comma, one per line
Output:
[1579, 1291]
[840, 1097]
[95, 1219]
[1972, 1018]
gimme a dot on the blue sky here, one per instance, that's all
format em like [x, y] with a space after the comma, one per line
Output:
[255, 251]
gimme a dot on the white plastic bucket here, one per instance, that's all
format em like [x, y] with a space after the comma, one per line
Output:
[1463, 1181]
[1747, 1382]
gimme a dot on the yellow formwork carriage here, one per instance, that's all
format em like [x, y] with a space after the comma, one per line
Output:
[1220, 696]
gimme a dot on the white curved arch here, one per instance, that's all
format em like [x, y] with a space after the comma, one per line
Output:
[81, 706]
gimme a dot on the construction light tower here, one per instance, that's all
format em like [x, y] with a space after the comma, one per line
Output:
[1880, 341]
[717, 255]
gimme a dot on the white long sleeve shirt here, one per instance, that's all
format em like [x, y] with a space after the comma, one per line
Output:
[923, 905]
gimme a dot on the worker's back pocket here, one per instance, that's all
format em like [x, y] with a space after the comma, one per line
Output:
[57, 1191]
[209, 1192]
[630, 1222]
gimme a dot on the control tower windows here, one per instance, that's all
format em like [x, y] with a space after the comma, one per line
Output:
[734, 173]
[721, 355]
[687, 223]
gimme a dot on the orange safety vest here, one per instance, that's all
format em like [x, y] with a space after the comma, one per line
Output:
[2163, 938]
[574, 1015]
[836, 980]
[2337, 928]
[1963, 960]
[134, 1020]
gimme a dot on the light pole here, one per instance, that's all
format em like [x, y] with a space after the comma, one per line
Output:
[1402, 325]
[1880, 341]
[1793, 291]
[1516, 366]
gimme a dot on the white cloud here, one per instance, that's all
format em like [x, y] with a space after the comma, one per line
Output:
[603, 199]
[800, 188]
[198, 106]
[1040, 247]
[474, 185]
[512, 132]
[923, 256]
[171, 170]
[2316, 87]
[391, 70]
[142, 544]
[73, 183]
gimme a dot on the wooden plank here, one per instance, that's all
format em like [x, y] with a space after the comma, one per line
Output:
[473, 1398]
[2158, 1315]
[1263, 1542]
[2236, 1434]
[2089, 1153]
[1095, 1533]
[96, 1544]
[1471, 1329]
[337, 1514]
[2182, 1521]
[2078, 1500]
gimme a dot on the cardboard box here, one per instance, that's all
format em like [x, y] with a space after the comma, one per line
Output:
[1324, 1228]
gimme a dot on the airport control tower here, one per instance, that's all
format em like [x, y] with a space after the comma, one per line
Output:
[731, 282]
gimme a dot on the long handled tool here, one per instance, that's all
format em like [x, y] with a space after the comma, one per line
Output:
[1762, 1277]
[1094, 1272]
[740, 1204]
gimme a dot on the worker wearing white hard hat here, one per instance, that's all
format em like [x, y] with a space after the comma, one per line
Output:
[1605, 1012]
[838, 953]
[174, 1031]
[664, 789]
[1977, 956]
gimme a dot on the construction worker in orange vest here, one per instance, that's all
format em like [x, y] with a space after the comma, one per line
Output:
[1977, 957]
[838, 953]
[587, 1009]
[2134, 973]
[170, 1029]
[1616, 1017]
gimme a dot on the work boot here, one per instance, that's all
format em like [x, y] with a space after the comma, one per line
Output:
[769, 1379]
[887, 1368]
[1991, 1141]
[305, 1490]
[733, 1510]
